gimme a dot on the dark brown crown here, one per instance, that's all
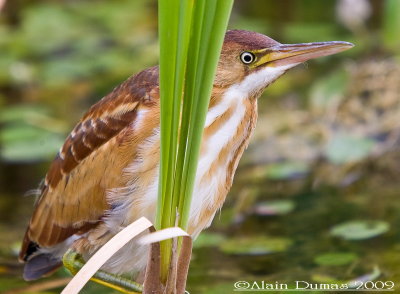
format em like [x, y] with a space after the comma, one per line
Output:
[249, 40]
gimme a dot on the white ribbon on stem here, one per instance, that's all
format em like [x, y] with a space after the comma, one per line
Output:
[115, 244]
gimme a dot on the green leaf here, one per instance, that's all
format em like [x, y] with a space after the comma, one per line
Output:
[191, 35]
[274, 207]
[345, 148]
[208, 240]
[174, 29]
[285, 170]
[255, 245]
[360, 229]
[335, 258]
[210, 21]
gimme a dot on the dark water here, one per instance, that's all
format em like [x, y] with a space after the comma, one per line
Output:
[303, 236]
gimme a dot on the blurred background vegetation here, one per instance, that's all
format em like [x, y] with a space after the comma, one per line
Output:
[316, 196]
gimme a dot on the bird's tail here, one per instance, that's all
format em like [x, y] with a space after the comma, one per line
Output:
[40, 265]
[37, 264]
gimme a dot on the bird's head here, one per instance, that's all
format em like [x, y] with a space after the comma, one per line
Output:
[253, 61]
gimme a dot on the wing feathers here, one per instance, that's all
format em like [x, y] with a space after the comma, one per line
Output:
[73, 198]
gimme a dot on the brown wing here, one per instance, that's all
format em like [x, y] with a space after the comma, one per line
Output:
[92, 159]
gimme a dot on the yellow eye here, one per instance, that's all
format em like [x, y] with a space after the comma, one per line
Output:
[247, 57]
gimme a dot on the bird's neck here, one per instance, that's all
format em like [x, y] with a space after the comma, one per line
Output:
[230, 121]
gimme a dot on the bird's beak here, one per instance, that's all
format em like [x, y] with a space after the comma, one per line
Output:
[286, 54]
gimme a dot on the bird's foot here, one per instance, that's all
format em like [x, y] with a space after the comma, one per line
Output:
[73, 261]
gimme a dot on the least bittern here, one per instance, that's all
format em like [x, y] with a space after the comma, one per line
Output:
[106, 174]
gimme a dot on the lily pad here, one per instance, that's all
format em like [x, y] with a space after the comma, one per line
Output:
[360, 229]
[255, 245]
[274, 207]
[335, 258]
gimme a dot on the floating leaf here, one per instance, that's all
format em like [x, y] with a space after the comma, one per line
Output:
[274, 207]
[286, 170]
[367, 277]
[345, 148]
[335, 258]
[360, 230]
[208, 240]
[255, 245]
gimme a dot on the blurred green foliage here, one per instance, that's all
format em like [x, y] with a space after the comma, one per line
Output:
[319, 160]
[57, 45]
[64, 58]
[29, 133]
[329, 90]
[392, 25]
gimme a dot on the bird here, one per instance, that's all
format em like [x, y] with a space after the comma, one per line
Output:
[105, 175]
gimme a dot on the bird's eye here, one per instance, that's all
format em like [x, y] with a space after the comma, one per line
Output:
[247, 57]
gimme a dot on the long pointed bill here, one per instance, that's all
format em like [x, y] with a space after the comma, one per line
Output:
[285, 54]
